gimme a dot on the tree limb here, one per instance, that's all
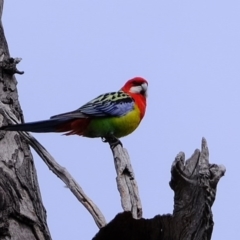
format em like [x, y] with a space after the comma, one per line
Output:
[57, 169]
[126, 183]
[194, 183]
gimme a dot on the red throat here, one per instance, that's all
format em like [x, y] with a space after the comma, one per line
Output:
[141, 102]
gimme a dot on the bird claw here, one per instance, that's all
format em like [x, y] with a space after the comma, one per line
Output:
[112, 140]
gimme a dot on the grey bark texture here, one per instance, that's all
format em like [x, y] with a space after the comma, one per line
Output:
[22, 214]
[126, 183]
[194, 183]
[56, 168]
[21, 161]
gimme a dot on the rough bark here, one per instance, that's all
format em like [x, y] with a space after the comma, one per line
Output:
[194, 183]
[22, 214]
[57, 169]
[126, 183]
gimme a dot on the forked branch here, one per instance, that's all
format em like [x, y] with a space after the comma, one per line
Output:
[194, 183]
[57, 169]
[126, 183]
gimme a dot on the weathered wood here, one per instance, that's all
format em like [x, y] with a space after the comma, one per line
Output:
[194, 183]
[9, 65]
[22, 214]
[126, 183]
[57, 169]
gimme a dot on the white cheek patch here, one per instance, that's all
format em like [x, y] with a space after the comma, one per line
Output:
[135, 89]
[140, 89]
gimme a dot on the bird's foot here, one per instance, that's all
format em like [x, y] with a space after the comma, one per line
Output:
[112, 140]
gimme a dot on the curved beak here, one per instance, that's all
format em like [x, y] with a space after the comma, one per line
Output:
[144, 89]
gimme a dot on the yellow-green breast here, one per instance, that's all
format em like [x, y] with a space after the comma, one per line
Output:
[117, 126]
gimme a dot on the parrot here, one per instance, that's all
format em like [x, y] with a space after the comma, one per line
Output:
[114, 114]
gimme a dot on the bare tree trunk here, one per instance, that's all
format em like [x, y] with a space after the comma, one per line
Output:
[22, 214]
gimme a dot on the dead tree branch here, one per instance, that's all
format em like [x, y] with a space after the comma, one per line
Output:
[58, 170]
[194, 183]
[126, 183]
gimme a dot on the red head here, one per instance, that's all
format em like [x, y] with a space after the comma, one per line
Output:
[137, 89]
[137, 85]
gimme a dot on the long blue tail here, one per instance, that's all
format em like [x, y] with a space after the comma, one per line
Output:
[51, 125]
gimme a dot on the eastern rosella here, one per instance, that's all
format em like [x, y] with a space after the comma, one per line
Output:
[115, 114]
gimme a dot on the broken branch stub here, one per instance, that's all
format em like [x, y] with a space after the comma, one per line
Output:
[194, 182]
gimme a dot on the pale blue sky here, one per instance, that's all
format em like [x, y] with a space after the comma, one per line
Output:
[75, 50]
